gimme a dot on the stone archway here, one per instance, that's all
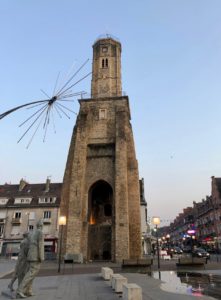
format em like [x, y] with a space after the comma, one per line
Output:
[100, 214]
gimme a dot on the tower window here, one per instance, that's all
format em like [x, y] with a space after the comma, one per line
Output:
[105, 63]
[102, 113]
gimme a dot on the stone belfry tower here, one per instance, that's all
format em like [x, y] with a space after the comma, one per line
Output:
[100, 196]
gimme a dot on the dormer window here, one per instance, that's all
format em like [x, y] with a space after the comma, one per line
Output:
[3, 201]
[47, 200]
[23, 200]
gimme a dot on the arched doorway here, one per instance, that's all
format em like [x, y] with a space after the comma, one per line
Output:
[100, 211]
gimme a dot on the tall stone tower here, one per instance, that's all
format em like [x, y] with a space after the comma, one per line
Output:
[101, 196]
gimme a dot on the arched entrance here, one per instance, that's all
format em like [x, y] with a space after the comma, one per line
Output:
[100, 208]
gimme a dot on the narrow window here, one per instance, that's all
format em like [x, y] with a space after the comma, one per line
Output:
[47, 214]
[30, 227]
[17, 215]
[32, 215]
[102, 114]
[102, 63]
[106, 63]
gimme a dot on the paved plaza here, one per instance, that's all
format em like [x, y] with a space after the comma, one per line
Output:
[75, 284]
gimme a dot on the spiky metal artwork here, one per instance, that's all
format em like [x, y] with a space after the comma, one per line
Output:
[45, 109]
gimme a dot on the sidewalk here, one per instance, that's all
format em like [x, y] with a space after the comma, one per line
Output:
[93, 287]
[6, 266]
[90, 286]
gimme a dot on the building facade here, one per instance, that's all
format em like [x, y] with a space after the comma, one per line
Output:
[21, 206]
[204, 217]
[101, 196]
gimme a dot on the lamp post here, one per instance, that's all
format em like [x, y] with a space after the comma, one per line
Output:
[28, 214]
[168, 241]
[61, 222]
[191, 233]
[156, 222]
[216, 248]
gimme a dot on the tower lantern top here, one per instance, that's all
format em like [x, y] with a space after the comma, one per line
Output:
[107, 37]
[106, 74]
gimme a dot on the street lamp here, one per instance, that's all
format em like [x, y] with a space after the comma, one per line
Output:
[156, 222]
[28, 214]
[61, 223]
[191, 233]
[216, 248]
[168, 239]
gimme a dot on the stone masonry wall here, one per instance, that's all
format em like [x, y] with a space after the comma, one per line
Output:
[102, 149]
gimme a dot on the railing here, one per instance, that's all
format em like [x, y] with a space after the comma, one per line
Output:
[16, 220]
[47, 220]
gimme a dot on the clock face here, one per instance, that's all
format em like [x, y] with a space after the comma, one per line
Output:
[104, 49]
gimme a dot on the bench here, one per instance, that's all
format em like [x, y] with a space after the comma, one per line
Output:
[71, 258]
[147, 262]
[192, 261]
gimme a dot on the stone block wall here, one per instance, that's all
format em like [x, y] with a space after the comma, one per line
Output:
[102, 149]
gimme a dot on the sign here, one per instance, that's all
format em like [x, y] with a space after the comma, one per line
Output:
[191, 231]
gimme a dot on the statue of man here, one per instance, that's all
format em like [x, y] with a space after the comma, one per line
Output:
[21, 265]
[35, 257]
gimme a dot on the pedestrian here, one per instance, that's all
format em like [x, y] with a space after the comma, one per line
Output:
[35, 257]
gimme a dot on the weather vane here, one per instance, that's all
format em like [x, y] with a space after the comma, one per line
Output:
[44, 109]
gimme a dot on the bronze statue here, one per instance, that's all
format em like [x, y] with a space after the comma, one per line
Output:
[34, 258]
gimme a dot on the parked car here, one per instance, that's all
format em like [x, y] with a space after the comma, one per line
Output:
[174, 250]
[187, 249]
[200, 252]
[177, 250]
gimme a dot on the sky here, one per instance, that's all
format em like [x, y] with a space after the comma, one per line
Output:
[171, 71]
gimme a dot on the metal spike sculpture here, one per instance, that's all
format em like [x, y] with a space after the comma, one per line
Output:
[45, 113]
